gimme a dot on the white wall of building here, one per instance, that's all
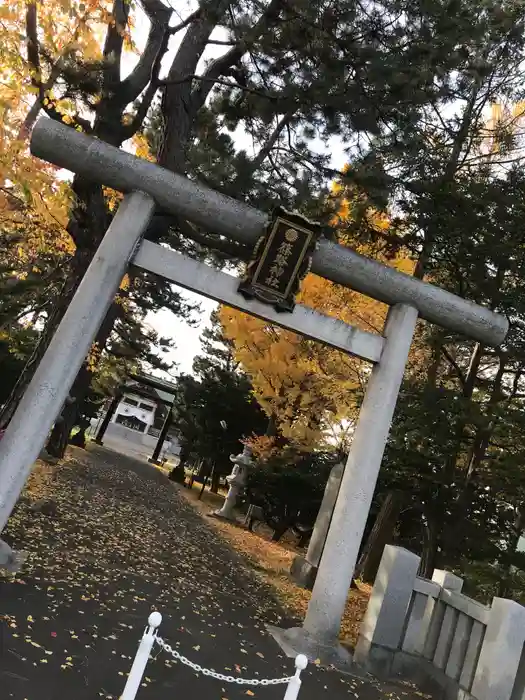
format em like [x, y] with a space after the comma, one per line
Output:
[134, 406]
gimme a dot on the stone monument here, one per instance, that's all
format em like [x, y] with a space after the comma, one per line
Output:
[304, 569]
[237, 482]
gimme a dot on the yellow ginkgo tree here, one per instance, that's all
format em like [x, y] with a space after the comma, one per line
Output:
[73, 61]
[38, 43]
[310, 392]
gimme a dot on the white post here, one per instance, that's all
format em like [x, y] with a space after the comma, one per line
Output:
[142, 657]
[323, 619]
[47, 391]
[293, 687]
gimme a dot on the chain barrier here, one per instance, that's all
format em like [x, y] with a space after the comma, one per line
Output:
[150, 638]
[219, 676]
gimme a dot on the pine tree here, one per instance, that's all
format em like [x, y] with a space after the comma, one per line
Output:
[453, 179]
[78, 81]
[215, 409]
[219, 354]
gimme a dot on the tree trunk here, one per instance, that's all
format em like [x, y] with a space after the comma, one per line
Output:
[215, 479]
[476, 455]
[205, 473]
[271, 428]
[279, 532]
[505, 583]
[382, 534]
[79, 439]
[87, 225]
[203, 488]
[59, 438]
[303, 539]
[62, 302]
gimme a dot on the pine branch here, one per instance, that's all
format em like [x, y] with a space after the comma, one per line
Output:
[176, 99]
[219, 81]
[162, 223]
[114, 42]
[454, 364]
[149, 94]
[191, 18]
[222, 43]
[223, 246]
[264, 24]
[270, 143]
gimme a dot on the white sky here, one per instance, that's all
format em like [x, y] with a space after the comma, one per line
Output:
[164, 322]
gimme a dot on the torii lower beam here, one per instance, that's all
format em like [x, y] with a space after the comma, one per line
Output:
[222, 287]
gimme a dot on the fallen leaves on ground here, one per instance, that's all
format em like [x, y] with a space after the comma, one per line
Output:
[272, 561]
[120, 543]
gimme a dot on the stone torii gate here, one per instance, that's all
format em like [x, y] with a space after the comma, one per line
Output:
[149, 187]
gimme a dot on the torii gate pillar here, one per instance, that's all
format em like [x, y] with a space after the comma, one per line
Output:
[318, 637]
[43, 399]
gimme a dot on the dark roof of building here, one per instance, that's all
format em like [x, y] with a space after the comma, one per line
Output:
[158, 389]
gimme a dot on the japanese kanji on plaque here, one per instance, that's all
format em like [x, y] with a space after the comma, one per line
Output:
[281, 260]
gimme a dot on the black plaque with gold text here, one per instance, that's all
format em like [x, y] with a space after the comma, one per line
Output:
[281, 260]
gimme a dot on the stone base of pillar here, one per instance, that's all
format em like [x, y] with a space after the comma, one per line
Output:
[296, 641]
[47, 458]
[10, 559]
[303, 573]
[98, 441]
[220, 516]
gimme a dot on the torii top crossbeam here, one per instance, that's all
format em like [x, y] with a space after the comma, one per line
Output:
[100, 162]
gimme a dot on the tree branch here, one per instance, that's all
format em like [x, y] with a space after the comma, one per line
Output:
[225, 247]
[191, 18]
[217, 68]
[454, 364]
[218, 81]
[113, 44]
[33, 57]
[152, 88]
[222, 43]
[176, 99]
[266, 149]
[137, 81]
